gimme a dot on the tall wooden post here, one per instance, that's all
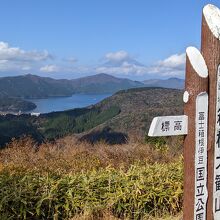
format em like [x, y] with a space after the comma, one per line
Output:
[202, 117]
[196, 82]
[211, 52]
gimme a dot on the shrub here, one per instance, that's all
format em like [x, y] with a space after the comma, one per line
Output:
[68, 179]
[142, 189]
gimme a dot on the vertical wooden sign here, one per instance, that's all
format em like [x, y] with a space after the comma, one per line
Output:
[201, 121]
[216, 176]
[211, 53]
[202, 109]
[196, 84]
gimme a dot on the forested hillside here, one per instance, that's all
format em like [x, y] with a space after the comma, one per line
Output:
[115, 119]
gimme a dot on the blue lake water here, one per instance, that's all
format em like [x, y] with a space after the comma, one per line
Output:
[65, 103]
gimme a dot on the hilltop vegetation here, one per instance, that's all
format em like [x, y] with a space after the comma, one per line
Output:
[139, 106]
[127, 113]
[72, 179]
[69, 180]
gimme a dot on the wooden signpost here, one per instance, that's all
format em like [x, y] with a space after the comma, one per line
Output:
[216, 172]
[169, 126]
[200, 123]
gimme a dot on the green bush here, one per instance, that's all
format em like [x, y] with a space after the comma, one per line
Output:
[141, 190]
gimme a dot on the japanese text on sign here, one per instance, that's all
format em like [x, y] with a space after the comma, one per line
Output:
[201, 193]
[216, 182]
[169, 125]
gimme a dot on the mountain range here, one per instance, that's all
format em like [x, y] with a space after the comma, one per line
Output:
[14, 89]
[32, 86]
[103, 83]
[172, 83]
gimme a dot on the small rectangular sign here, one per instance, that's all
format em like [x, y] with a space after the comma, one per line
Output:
[169, 126]
[201, 135]
[216, 181]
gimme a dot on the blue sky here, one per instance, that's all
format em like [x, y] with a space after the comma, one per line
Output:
[137, 39]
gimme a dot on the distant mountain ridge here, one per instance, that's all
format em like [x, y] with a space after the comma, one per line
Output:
[32, 86]
[103, 83]
[172, 83]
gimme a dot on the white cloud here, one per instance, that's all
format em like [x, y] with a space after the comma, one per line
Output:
[174, 65]
[50, 69]
[117, 56]
[122, 62]
[14, 66]
[174, 61]
[17, 54]
[16, 60]
[126, 69]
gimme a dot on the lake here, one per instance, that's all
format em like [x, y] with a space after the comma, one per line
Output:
[65, 103]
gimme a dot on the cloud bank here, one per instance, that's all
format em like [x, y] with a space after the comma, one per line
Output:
[16, 59]
[174, 65]
[120, 62]
[17, 54]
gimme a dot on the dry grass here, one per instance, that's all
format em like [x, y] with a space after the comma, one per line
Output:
[108, 216]
[107, 182]
[68, 155]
